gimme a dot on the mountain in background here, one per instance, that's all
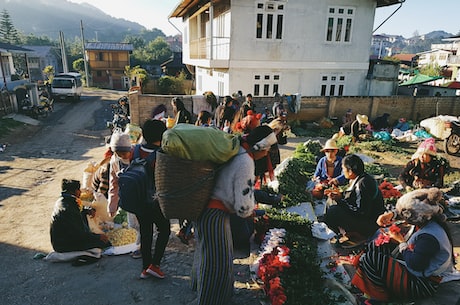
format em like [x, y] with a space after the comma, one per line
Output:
[437, 35]
[48, 17]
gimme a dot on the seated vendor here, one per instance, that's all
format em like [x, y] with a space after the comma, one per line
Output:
[356, 128]
[328, 172]
[358, 206]
[68, 231]
[420, 263]
[426, 170]
[329, 168]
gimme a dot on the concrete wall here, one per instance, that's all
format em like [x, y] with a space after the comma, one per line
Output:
[316, 108]
[299, 60]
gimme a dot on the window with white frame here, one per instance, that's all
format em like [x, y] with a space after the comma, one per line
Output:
[266, 84]
[332, 85]
[5, 66]
[220, 83]
[270, 19]
[199, 82]
[339, 24]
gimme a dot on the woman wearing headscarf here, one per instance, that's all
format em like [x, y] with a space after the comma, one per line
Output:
[394, 268]
[424, 170]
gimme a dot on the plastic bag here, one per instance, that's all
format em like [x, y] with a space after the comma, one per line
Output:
[198, 143]
[382, 135]
[134, 132]
[88, 174]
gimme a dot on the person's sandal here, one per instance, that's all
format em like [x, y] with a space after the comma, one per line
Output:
[136, 254]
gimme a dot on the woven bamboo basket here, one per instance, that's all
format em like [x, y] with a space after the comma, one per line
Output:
[183, 187]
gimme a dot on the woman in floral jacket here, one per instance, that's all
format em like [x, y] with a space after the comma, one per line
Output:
[424, 170]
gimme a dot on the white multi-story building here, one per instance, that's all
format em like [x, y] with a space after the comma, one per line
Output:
[315, 48]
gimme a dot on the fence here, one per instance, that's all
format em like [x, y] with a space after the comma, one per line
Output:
[315, 108]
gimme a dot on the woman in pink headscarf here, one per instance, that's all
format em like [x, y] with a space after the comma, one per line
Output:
[425, 169]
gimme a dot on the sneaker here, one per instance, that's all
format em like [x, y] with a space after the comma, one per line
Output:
[155, 271]
[136, 254]
[145, 274]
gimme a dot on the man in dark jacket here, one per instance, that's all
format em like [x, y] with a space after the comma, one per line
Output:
[360, 204]
[68, 230]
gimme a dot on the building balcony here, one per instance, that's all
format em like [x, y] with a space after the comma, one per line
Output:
[453, 60]
[213, 53]
[108, 65]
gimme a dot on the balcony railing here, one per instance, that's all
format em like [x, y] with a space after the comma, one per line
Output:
[453, 60]
[108, 64]
[201, 48]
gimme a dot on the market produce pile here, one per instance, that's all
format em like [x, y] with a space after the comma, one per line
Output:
[289, 266]
[122, 236]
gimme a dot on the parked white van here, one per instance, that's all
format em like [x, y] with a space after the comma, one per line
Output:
[66, 85]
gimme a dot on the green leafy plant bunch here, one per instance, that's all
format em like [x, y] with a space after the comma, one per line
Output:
[302, 283]
[299, 170]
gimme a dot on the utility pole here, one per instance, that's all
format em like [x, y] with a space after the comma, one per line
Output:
[63, 54]
[84, 54]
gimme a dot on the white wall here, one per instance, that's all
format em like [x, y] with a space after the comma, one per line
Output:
[303, 55]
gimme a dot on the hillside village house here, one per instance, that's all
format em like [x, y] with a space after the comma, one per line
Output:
[451, 46]
[41, 57]
[310, 47]
[13, 88]
[107, 62]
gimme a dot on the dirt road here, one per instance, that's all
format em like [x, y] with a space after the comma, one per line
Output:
[31, 168]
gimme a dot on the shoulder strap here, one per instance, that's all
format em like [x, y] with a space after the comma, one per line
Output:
[151, 157]
[137, 153]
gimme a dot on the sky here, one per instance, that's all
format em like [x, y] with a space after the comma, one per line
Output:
[422, 16]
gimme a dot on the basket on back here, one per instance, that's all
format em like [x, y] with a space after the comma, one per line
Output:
[183, 187]
[185, 170]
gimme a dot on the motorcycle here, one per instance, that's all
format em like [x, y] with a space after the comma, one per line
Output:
[26, 107]
[120, 118]
[45, 107]
[452, 142]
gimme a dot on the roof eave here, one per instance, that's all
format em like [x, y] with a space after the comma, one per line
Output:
[185, 5]
[383, 3]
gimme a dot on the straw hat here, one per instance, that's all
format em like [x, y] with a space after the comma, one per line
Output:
[362, 119]
[330, 144]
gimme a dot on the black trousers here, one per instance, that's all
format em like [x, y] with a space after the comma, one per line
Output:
[339, 216]
[152, 215]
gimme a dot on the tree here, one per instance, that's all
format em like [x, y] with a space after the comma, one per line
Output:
[159, 50]
[137, 41]
[79, 65]
[49, 73]
[154, 53]
[33, 40]
[136, 73]
[8, 32]
[432, 69]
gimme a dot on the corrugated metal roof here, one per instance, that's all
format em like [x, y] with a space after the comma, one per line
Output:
[109, 46]
[40, 51]
[6, 47]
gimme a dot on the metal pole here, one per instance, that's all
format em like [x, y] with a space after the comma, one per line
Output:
[84, 54]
